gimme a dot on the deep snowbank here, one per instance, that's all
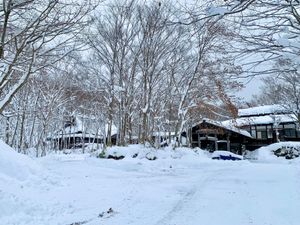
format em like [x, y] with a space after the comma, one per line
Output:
[266, 153]
[142, 152]
[22, 182]
[17, 166]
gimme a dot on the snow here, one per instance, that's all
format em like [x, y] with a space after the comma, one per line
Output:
[16, 166]
[163, 133]
[229, 126]
[74, 135]
[114, 129]
[145, 109]
[141, 152]
[254, 120]
[266, 154]
[21, 178]
[77, 126]
[187, 189]
[77, 129]
[263, 110]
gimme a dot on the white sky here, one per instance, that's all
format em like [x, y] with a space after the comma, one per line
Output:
[251, 87]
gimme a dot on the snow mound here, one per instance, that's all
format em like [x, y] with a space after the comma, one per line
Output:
[142, 152]
[266, 153]
[17, 166]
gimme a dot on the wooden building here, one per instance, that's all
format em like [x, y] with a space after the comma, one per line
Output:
[267, 124]
[74, 135]
[255, 127]
[213, 135]
[75, 140]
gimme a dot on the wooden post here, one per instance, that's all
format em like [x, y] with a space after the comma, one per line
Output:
[7, 130]
[228, 142]
[216, 142]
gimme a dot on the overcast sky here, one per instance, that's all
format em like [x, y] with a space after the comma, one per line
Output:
[251, 87]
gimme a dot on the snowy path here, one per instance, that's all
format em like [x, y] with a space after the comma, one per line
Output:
[162, 192]
[256, 194]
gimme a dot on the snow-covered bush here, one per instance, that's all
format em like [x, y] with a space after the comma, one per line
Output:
[276, 151]
[150, 153]
[289, 152]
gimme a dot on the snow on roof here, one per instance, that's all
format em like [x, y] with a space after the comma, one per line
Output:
[163, 133]
[263, 120]
[77, 128]
[74, 135]
[228, 126]
[263, 110]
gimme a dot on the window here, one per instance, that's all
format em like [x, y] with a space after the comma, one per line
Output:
[261, 132]
[270, 131]
[259, 135]
[289, 130]
[290, 126]
[253, 132]
[280, 126]
[77, 140]
[247, 128]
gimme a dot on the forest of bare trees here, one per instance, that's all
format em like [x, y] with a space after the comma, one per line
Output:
[138, 67]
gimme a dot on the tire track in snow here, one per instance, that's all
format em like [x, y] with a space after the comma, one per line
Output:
[184, 203]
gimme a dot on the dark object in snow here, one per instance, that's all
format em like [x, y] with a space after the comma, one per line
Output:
[135, 155]
[280, 152]
[287, 152]
[110, 210]
[107, 214]
[153, 158]
[225, 155]
[115, 157]
[79, 223]
[150, 156]
[102, 155]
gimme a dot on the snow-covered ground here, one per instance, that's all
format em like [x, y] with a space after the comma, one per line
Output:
[179, 188]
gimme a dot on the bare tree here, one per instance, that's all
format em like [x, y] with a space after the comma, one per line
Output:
[156, 43]
[31, 31]
[111, 43]
[283, 88]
